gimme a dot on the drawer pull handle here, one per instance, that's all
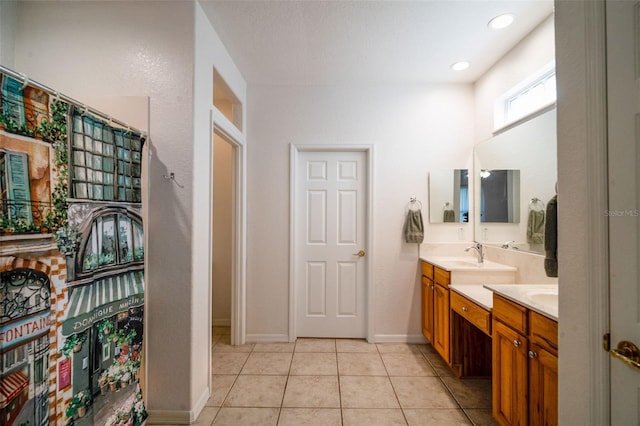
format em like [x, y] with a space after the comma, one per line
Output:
[465, 309]
[517, 343]
[532, 354]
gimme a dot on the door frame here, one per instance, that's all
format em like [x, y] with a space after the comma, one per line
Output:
[222, 127]
[582, 130]
[295, 149]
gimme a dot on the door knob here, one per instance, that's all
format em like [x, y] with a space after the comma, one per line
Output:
[361, 253]
[628, 353]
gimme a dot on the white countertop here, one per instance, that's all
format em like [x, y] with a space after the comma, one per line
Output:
[524, 294]
[476, 293]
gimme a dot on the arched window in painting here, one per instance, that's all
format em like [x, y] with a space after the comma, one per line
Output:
[115, 239]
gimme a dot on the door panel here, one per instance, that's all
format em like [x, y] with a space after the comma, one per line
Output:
[623, 99]
[329, 273]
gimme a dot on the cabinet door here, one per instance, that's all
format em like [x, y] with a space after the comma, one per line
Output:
[543, 386]
[441, 321]
[509, 376]
[427, 308]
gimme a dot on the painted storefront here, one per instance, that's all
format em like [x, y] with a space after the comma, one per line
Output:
[71, 263]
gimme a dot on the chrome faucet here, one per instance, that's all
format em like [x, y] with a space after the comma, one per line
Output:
[478, 248]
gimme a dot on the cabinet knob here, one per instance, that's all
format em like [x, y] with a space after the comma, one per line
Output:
[532, 354]
[465, 309]
[432, 287]
[517, 343]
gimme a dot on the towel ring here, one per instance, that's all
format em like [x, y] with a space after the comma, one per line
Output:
[413, 202]
[536, 204]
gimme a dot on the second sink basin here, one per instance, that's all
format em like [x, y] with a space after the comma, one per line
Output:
[544, 297]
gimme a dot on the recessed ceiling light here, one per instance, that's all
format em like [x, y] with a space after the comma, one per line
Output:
[501, 21]
[461, 65]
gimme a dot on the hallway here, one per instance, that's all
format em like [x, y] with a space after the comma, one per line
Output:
[339, 382]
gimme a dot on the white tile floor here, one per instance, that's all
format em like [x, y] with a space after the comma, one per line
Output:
[339, 382]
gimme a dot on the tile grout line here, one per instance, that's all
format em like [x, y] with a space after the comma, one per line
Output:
[392, 387]
[449, 391]
[232, 384]
[286, 383]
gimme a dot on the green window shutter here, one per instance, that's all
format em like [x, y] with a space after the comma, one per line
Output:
[18, 186]
[12, 100]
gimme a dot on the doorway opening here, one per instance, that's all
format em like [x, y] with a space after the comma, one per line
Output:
[228, 236]
[222, 245]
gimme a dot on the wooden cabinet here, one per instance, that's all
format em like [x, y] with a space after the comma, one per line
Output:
[441, 321]
[543, 370]
[525, 365]
[509, 376]
[428, 289]
[427, 300]
[435, 308]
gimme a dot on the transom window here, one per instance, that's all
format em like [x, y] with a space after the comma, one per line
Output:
[114, 239]
[531, 95]
[106, 161]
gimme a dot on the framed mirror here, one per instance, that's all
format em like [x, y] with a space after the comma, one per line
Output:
[524, 154]
[449, 196]
[499, 196]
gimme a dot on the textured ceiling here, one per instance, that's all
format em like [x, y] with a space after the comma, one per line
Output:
[329, 42]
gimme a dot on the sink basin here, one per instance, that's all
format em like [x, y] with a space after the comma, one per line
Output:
[467, 270]
[464, 264]
[548, 297]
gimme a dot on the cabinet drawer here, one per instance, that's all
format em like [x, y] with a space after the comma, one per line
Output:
[441, 276]
[510, 313]
[543, 331]
[472, 312]
[427, 269]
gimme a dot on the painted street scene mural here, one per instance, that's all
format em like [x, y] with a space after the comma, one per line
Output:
[71, 264]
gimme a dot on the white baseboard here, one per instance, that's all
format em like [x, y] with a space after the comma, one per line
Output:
[175, 417]
[221, 322]
[264, 338]
[200, 404]
[399, 338]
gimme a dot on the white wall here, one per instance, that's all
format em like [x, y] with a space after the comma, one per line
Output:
[95, 49]
[413, 128]
[209, 52]
[125, 49]
[222, 230]
[7, 32]
[531, 54]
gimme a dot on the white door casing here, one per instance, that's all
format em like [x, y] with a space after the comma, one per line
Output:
[329, 292]
[623, 93]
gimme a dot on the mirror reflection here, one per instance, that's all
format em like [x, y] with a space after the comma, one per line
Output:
[449, 196]
[500, 196]
[530, 149]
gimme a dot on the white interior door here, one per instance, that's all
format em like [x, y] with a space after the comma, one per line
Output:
[330, 244]
[623, 74]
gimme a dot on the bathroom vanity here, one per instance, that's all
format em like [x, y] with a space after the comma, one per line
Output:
[454, 318]
[506, 332]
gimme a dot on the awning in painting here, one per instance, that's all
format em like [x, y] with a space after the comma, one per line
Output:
[102, 299]
[11, 386]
